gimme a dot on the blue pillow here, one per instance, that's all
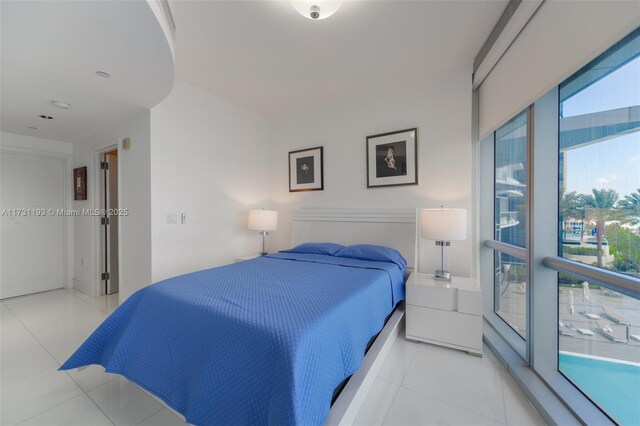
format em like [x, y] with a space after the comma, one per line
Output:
[316, 248]
[375, 253]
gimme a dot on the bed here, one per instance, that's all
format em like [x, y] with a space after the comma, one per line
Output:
[265, 341]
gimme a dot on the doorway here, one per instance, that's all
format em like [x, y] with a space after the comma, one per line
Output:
[109, 222]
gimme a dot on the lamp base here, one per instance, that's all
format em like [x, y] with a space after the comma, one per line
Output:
[442, 275]
[263, 253]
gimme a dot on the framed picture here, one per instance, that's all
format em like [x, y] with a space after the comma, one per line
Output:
[305, 170]
[80, 183]
[392, 159]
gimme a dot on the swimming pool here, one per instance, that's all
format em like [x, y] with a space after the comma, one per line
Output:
[614, 386]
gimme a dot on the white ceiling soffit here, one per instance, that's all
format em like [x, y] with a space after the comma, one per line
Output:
[51, 50]
[264, 55]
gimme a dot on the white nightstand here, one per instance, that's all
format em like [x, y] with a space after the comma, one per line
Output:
[248, 257]
[445, 313]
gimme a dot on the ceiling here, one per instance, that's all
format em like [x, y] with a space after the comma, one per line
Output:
[51, 51]
[264, 55]
[261, 54]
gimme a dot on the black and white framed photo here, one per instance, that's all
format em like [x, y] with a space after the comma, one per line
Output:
[392, 158]
[305, 170]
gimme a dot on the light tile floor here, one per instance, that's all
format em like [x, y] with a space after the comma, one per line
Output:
[38, 333]
[418, 384]
[422, 384]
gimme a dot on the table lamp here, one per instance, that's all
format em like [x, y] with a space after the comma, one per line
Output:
[443, 226]
[263, 221]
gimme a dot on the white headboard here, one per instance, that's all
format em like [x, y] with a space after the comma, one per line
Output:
[391, 228]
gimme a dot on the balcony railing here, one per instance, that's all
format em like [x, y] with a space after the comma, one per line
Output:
[622, 283]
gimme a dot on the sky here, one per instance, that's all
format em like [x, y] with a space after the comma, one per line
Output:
[614, 163]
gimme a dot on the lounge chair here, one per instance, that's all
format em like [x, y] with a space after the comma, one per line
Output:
[615, 316]
[564, 331]
[635, 337]
[585, 332]
[610, 333]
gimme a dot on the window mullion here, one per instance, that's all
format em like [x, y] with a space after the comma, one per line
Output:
[543, 233]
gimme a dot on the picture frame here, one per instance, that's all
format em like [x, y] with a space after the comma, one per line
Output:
[392, 158]
[306, 170]
[80, 183]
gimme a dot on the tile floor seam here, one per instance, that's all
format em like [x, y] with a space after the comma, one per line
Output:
[386, 381]
[17, 350]
[54, 407]
[492, 420]
[409, 364]
[35, 338]
[499, 367]
[519, 391]
[30, 374]
[454, 404]
[406, 370]
[87, 390]
[395, 395]
[101, 410]
[73, 293]
[151, 415]
[58, 364]
[404, 374]
[504, 400]
[110, 419]
[50, 408]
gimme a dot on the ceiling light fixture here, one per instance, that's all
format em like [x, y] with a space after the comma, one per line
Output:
[46, 117]
[103, 74]
[316, 9]
[60, 104]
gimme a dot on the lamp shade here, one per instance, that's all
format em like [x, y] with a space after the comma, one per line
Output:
[263, 220]
[443, 224]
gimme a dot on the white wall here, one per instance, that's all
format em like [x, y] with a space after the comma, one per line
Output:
[209, 160]
[49, 147]
[135, 189]
[439, 105]
[560, 38]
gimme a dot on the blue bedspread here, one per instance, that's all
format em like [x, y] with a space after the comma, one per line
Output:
[263, 341]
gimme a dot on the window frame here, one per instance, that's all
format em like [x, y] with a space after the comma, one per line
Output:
[490, 246]
[539, 350]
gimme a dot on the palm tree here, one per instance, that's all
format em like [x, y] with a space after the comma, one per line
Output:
[599, 207]
[631, 203]
[571, 206]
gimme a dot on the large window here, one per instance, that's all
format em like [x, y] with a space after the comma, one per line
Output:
[560, 224]
[599, 218]
[510, 215]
